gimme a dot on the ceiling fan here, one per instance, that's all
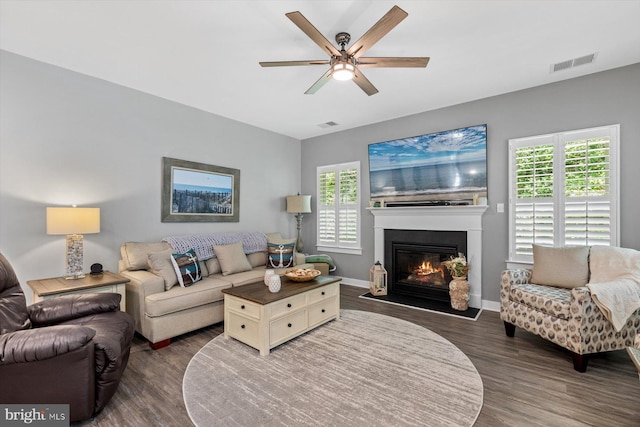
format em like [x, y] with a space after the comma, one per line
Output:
[346, 64]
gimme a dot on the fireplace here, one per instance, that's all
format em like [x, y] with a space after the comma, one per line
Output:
[467, 219]
[414, 260]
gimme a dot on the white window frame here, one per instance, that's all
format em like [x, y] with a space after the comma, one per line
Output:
[559, 200]
[353, 248]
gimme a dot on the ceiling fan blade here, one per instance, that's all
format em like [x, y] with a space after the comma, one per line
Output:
[371, 62]
[379, 30]
[321, 82]
[364, 83]
[294, 63]
[312, 32]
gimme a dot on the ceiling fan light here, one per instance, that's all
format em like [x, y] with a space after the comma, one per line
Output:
[343, 71]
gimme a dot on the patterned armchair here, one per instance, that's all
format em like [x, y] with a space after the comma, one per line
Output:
[634, 352]
[566, 317]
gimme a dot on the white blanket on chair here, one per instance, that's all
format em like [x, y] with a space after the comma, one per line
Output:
[615, 282]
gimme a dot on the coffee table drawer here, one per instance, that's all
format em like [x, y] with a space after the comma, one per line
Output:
[287, 327]
[322, 311]
[243, 306]
[288, 305]
[243, 329]
[322, 293]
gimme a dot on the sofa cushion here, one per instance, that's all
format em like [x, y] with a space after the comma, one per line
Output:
[213, 265]
[206, 291]
[160, 264]
[232, 258]
[244, 277]
[280, 253]
[257, 259]
[550, 300]
[187, 267]
[134, 254]
[563, 267]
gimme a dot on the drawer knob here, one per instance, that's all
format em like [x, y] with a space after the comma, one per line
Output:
[289, 325]
[322, 292]
[289, 305]
[241, 326]
[323, 310]
[242, 306]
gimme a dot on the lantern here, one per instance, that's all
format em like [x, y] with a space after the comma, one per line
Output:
[378, 279]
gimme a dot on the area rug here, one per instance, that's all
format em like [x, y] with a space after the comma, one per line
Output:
[365, 369]
[432, 306]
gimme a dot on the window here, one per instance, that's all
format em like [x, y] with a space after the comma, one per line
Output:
[339, 208]
[563, 190]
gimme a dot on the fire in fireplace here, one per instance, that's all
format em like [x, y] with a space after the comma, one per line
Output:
[415, 261]
[429, 272]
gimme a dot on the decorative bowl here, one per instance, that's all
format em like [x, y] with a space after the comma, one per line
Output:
[302, 274]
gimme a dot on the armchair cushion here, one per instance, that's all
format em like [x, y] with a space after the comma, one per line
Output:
[39, 344]
[562, 267]
[547, 299]
[69, 307]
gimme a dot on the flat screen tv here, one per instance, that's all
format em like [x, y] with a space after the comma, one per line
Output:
[447, 167]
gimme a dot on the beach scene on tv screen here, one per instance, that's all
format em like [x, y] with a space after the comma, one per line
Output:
[438, 166]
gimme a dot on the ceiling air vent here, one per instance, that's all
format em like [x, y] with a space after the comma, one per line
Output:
[327, 125]
[565, 65]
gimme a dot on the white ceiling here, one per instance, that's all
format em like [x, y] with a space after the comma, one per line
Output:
[205, 53]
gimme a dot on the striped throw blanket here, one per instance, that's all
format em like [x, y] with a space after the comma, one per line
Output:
[252, 241]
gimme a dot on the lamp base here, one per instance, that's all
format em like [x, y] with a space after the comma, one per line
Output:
[299, 244]
[75, 260]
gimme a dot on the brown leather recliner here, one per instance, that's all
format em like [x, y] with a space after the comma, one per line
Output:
[67, 350]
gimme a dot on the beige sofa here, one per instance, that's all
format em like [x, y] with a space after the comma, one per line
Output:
[161, 314]
[554, 300]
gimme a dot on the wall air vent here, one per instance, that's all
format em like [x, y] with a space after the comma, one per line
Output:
[327, 125]
[565, 65]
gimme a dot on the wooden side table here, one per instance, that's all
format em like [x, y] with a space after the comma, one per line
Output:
[58, 286]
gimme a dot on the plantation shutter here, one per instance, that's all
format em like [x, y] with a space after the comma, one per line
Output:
[339, 206]
[587, 189]
[533, 194]
[563, 190]
[348, 210]
[327, 207]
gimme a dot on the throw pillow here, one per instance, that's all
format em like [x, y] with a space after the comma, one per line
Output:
[134, 254]
[562, 267]
[232, 258]
[160, 264]
[187, 267]
[280, 253]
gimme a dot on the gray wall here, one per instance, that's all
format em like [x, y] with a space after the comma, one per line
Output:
[66, 138]
[599, 99]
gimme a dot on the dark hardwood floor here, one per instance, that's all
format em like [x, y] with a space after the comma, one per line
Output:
[527, 381]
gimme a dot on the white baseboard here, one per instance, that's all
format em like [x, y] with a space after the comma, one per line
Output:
[490, 305]
[355, 282]
[475, 300]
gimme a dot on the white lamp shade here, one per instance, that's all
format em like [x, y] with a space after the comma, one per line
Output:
[299, 204]
[73, 220]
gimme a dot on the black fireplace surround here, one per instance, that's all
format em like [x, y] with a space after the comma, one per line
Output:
[413, 259]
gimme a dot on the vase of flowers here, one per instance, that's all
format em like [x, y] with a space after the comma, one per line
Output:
[459, 286]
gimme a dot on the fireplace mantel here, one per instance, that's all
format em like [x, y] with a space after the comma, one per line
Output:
[454, 218]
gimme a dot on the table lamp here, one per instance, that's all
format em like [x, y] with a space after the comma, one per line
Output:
[299, 205]
[73, 222]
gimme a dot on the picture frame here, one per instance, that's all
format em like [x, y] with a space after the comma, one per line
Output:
[198, 192]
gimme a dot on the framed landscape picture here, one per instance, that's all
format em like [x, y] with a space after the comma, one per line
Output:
[197, 192]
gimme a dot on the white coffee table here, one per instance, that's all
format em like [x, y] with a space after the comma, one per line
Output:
[264, 320]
